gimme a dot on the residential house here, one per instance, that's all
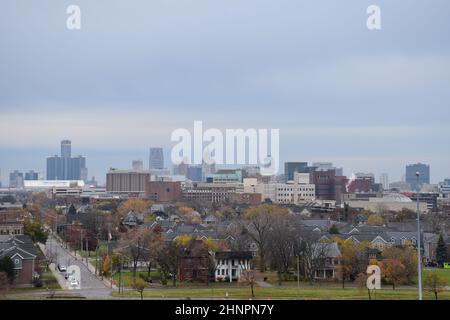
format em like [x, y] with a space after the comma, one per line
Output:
[196, 263]
[330, 266]
[133, 219]
[230, 265]
[21, 250]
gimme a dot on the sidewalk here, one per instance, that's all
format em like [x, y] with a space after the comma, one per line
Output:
[52, 267]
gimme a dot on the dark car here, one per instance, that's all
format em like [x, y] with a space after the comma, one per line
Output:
[62, 268]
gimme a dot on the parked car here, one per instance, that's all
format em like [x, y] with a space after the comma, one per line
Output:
[62, 268]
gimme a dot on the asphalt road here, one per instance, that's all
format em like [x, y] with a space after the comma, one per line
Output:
[91, 287]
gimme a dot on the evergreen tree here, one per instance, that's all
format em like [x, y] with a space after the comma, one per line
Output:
[441, 251]
[7, 266]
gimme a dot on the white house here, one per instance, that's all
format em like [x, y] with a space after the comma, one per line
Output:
[231, 264]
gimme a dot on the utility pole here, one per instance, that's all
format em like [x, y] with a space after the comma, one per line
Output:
[81, 243]
[419, 259]
[298, 277]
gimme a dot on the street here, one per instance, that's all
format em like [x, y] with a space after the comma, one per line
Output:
[91, 287]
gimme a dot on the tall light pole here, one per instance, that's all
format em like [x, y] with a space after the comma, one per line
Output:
[298, 277]
[419, 260]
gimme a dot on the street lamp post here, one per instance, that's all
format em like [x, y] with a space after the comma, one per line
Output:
[419, 260]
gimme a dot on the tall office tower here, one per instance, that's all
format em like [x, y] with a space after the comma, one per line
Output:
[424, 177]
[66, 149]
[384, 180]
[31, 175]
[137, 165]
[291, 167]
[16, 179]
[156, 160]
[65, 167]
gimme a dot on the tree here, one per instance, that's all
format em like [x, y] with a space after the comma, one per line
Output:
[282, 242]
[258, 222]
[132, 244]
[393, 271]
[106, 265]
[407, 255]
[35, 231]
[333, 229]
[139, 285]
[353, 260]
[50, 257]
[7, 266]
[435, 283]
[249, 277]
[133, 204]
[312, 253]
[375, 220]
[117, 261]
[361, 283]
[4, 282]
[441, 251]
[169, 260]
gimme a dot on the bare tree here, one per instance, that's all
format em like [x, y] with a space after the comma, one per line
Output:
[257, 223]
[312, 253]
[282, 243]
[249, 277]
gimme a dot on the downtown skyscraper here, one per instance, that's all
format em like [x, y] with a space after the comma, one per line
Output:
[156, 159]
[66, 167]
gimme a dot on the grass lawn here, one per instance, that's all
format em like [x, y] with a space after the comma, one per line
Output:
[127, 279]
[443, 272]
[127, 276]
[281, 293]
[49, 280]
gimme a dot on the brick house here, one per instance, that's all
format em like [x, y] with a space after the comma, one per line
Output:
[196, 263]
[21, 250]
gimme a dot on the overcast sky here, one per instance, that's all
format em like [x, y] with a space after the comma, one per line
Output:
[369, 101]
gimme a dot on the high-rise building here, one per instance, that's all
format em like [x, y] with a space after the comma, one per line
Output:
[138, 165]
[156, 159]
[65, 167]
[66, 149]
[16, 179]
[291, 167]
[194, 173]
[411, 178]
[384, 181]
[127, 181]
[328, 185]
[31, 175]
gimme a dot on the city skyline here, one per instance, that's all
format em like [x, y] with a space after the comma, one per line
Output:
[119, 161]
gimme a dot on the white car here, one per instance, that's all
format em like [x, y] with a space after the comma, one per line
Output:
[74, 282]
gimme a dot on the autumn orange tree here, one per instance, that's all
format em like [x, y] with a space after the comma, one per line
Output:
[393, 271]
[106, 266]
[353, 260]
[407, 256]
[133, 204]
